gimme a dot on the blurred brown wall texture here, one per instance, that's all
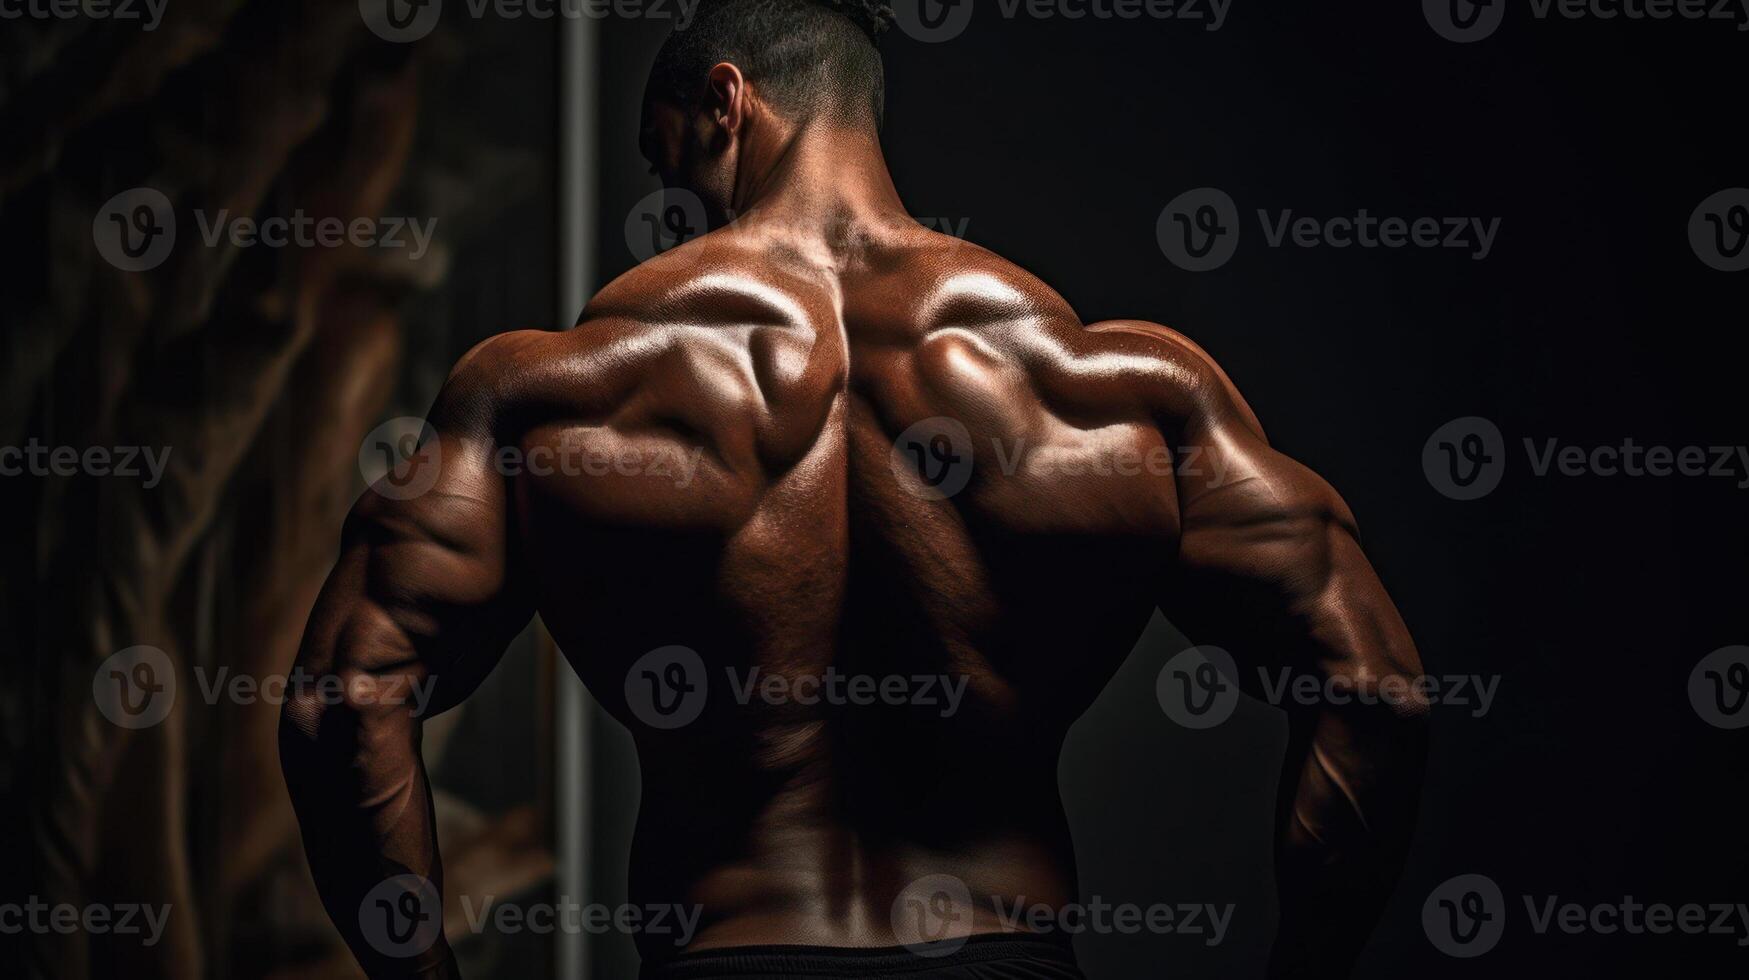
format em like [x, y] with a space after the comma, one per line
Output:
[251, 374]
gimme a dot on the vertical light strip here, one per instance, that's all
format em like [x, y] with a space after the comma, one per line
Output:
[576, 179]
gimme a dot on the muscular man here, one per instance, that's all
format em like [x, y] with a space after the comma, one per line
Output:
[842, 446]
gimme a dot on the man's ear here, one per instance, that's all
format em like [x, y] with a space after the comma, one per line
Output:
[725, 97]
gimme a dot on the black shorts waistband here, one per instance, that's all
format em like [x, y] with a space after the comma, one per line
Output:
[854, 961]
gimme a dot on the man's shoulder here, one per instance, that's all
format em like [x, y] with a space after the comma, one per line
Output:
[714, 280]
[630, 321]
[965, 284]
[971, 286]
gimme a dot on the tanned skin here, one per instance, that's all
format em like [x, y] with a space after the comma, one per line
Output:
[785, 353]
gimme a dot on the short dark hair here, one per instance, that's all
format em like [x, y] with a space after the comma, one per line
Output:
[806, 56]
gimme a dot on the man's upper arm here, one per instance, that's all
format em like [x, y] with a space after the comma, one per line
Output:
[1269, 558]
[426, 586]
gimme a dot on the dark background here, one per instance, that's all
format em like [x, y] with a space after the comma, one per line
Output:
[1057, 144]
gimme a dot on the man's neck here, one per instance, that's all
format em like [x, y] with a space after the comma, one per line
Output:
[817, 178]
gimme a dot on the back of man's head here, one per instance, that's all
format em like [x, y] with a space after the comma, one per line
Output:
[804, 57]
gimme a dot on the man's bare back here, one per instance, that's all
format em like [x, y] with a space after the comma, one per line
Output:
[823, 450]
[809, 541]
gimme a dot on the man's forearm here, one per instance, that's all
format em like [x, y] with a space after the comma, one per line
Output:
[1350, 789]
[349, 747]
[365, 809]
